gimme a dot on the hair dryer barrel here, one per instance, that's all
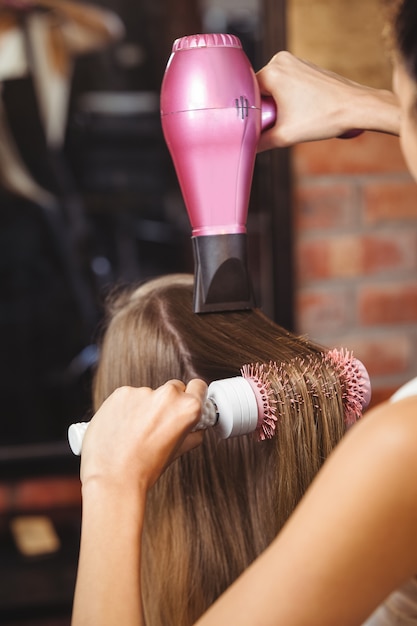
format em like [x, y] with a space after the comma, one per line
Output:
[210, 108]
[211, 112]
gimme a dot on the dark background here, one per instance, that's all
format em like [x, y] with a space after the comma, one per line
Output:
[119, 219]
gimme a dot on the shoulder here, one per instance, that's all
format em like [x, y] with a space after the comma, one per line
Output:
[377, 458]
[394, 425]
[389, 432]
[381, 452]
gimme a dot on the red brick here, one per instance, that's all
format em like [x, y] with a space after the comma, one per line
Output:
[320, 311]
[312, 261]
[383, 354]
[393, 251]
[388, 303]
[324, 206]
[347, 256]
[333, 257]
[47, 492]
[390, 201]
[368, 153]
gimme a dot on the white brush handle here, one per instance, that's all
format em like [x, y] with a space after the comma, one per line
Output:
[230, 407]
[76, 435]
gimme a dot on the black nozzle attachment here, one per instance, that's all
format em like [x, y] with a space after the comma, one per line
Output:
[221, 274]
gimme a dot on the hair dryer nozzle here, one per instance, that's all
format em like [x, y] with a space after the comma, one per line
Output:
[221, 273]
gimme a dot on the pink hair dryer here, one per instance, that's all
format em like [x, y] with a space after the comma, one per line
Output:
[212, 115]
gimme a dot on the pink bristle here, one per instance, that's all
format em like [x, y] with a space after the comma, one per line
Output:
[353, 384]
[257, 375]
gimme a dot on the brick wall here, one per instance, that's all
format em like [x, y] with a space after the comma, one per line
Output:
[355, 208]
[356, 253]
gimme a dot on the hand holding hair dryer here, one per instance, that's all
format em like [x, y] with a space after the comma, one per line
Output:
[212, 115]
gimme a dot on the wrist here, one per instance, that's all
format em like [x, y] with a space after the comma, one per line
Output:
[112, 477]
[374, 110]
[101, 496]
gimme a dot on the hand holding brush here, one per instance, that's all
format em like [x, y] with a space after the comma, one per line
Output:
[251, 403]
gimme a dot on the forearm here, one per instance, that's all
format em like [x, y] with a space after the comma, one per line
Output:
[133, 436]
[373, 109]
[350, 542]
[348, 107]
[108, 580]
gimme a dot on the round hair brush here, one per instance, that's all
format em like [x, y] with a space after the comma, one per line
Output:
[251, 403]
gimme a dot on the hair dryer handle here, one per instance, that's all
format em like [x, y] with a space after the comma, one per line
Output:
[268, 112]
[269, 117]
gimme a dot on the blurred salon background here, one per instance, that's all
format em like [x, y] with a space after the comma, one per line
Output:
[89, 200]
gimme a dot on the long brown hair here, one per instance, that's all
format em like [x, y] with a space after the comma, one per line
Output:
[215, 509]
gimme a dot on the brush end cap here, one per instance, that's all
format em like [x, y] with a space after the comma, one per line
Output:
[76, 435]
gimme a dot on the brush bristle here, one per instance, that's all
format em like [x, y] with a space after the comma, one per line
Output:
[352, 376]
[354, 382]
[257, 375]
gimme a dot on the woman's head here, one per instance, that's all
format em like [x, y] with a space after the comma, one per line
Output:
[153, 335]
[403, 26]
[215, 509]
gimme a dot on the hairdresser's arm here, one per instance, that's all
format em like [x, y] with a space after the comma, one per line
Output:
[350, 542]
[128, 443]
[314, 103]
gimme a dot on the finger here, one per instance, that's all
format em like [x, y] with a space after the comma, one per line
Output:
[198, 388]
[176, 410]
[178, 384]
[191, 441]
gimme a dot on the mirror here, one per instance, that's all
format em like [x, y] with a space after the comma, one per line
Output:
[97, 201]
